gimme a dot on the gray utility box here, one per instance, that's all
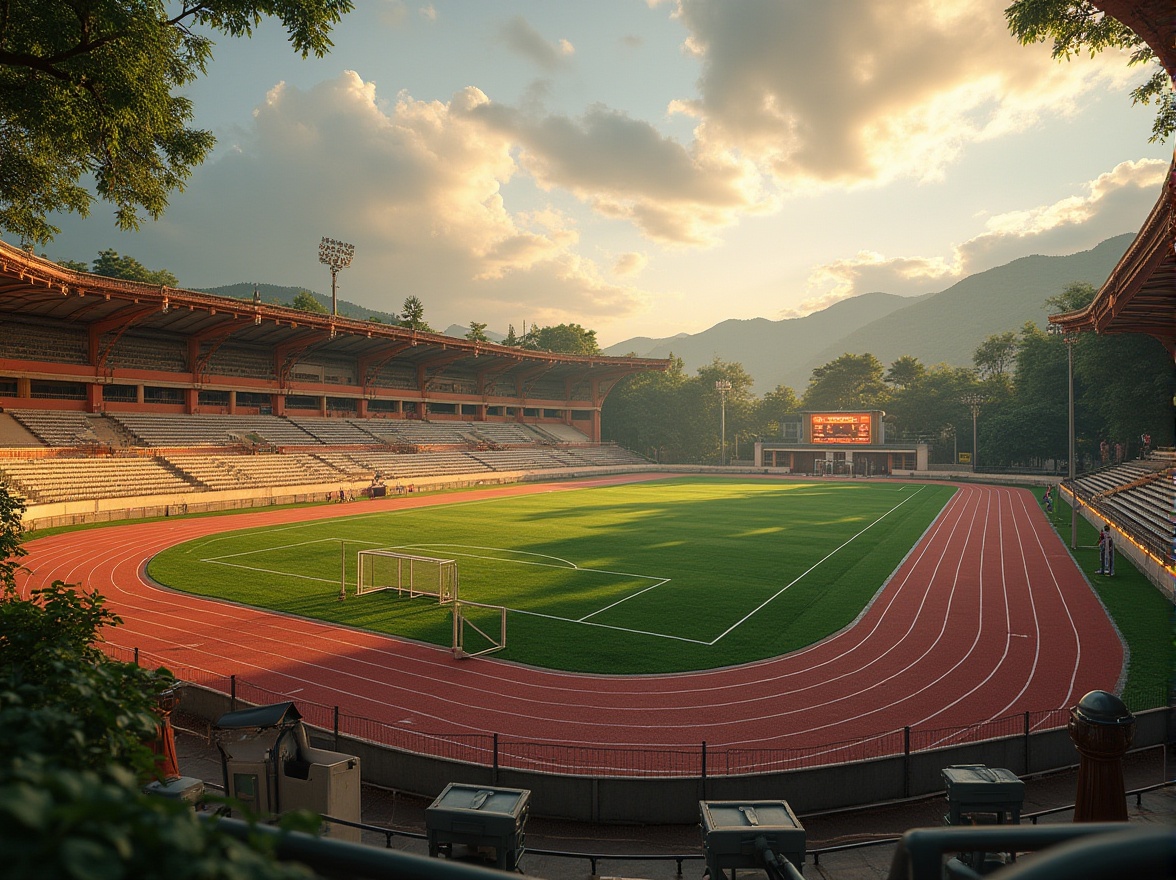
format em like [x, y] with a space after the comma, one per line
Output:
[976, 791]
[730, 830]
[479, 818]
[182, 788]
[271, 767]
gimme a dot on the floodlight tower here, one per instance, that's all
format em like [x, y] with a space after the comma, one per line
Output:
[337, 255]
[722, 386]
[1070, 339]
[974, 402]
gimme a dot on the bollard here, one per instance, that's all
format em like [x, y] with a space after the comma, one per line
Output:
[1102, 730]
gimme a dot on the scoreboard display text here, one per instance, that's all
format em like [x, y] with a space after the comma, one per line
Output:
[839, 428]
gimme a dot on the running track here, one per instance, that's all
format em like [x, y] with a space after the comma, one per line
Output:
[987, 617]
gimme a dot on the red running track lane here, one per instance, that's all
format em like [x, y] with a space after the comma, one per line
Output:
[988, 616]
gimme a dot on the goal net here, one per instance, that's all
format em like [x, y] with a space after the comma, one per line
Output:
[478, 629]
[406, 574]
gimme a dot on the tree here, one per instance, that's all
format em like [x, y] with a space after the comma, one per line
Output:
[772, 409]
[511, 338]
[996, 354]
[111, 264]
[73, 728]
[563, 338]
[852, 381]
[905, 372]
[304, 301]
[1080, 27]
[412, 315]
[477, 332]
[94, 90]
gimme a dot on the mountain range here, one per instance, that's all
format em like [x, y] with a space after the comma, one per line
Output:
[944, 327]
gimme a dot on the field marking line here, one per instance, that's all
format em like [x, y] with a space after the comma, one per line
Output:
[269, 549]
[625, 629]
[659, 581]
[305, 577]
[584, 619]
[567, 563]
[807, 571]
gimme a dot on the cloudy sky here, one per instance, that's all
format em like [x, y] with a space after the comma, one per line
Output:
[647, 167]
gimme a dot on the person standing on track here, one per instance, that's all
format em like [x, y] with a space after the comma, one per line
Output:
[1106, 552]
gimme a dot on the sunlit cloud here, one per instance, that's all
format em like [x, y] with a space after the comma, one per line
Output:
[863, 93]
[415, 185]
[629, 264]
[1113, 203]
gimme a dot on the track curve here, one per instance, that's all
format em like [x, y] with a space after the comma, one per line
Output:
[986, 617]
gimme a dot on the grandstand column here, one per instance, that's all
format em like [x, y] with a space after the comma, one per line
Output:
[278, 402]
[361, 408]
[482, 410]
[594, 436]
[232, 403]
[191, 400]
[140, 397]
[323, 406]
[24, 387]
[93, 396]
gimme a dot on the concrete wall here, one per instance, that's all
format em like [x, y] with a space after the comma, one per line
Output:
[661, 800]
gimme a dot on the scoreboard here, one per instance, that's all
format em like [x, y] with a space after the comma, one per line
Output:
[840, 428]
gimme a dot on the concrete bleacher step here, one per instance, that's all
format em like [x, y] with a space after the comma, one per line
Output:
[13, 434]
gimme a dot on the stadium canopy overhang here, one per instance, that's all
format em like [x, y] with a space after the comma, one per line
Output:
[1139, 296]
[35, 287]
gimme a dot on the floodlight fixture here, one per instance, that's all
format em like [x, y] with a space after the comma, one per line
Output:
[336, 255]
[722, 386]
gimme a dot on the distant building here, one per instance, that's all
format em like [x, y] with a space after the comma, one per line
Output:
[839, 443]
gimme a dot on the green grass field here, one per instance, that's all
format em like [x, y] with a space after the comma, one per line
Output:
[662, 576]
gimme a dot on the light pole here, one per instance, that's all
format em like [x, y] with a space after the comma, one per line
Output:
[974, 402]
[722, 386]
[337, 255]
[1070, 339]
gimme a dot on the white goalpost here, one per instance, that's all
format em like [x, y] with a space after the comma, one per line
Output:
[406, 574]
[477, 628]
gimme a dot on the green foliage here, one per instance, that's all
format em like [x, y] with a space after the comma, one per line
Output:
[94, 90]
[73, 728]
[562, 338]
[305, 301]
[477, 332]
[996, 354]
[412, 315]
[852, 381]
[1077, 28]
[905, 372]
[114, 265]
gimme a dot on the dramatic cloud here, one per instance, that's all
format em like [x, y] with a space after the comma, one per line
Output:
[850, 93]
[415, 185]
[1114, 203]
[626, 169]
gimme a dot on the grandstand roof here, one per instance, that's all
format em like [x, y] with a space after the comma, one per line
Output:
[1140, 294]
[35, 287]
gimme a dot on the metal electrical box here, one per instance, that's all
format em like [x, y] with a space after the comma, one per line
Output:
[479, 818]
[271, 767]
[975, 790]
[731, 833]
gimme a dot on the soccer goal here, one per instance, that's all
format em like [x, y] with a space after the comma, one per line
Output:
[406, 574]
[478, 629]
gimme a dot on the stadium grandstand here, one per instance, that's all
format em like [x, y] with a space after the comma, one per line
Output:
[112, 389]
[109, 387]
